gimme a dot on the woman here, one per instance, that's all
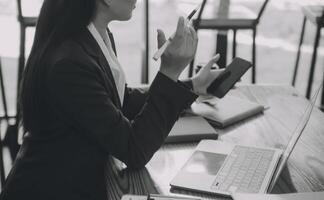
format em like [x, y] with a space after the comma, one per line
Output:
[77, 110]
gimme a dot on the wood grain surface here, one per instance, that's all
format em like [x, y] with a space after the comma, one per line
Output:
[305, 168]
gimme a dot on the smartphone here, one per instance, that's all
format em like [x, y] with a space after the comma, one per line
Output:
[227, 79]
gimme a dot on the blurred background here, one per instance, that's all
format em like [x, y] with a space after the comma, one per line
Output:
[277, 39]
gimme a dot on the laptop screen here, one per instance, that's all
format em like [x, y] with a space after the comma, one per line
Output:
[301, 125]
[295, 136]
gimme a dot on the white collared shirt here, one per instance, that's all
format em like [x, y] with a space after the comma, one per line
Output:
[116, 69]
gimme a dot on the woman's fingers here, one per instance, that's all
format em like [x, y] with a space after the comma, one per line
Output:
[213, 61]
[216, 72]
[193, 33]
[194, 36]
[185, 30]
[180, 28]
[161, 38]
[181, 49]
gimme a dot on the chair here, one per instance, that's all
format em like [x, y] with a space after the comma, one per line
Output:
[230, 24]
[12, 131]
[25, 22]
[3, 117]
[315, 14]
[146, 50]
[2, 171]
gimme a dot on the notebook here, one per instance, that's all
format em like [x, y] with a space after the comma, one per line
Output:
[191, 129]
[226, 111]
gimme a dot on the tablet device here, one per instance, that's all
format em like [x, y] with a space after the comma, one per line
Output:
[227, 79]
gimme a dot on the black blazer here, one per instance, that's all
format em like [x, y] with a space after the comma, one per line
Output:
[84, 124]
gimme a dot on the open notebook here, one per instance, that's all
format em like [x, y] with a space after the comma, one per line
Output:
[226, 111]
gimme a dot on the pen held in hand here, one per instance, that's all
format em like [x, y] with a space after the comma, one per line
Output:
[161, 50]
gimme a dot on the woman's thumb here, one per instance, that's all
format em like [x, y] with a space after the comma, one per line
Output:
[160, 38]
[213, 61]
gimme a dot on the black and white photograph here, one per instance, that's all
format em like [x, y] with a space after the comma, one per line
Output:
[161, 100]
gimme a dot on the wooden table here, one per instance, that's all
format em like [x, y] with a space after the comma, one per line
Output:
[305, 168]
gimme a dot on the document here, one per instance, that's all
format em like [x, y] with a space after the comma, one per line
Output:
[292, 196]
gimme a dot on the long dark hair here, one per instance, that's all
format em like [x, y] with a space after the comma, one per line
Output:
[58, 21]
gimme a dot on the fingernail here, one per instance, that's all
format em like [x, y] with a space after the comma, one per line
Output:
[215, 66]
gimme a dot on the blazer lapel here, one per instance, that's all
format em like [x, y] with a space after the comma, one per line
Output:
[112, 41]
[92, 48]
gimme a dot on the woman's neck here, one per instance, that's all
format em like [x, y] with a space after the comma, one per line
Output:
[101, 23]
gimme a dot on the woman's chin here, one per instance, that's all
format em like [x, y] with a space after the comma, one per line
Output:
[126, 18]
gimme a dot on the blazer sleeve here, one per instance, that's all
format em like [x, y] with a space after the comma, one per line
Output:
[134, 100]
[80, 99]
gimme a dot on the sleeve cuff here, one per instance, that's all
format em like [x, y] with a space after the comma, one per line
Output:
[179, 92]
[187, 83]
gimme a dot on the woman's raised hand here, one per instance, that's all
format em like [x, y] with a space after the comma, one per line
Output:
[206, 76]
[181, 50]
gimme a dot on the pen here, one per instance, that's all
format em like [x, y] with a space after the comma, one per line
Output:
[161, 50]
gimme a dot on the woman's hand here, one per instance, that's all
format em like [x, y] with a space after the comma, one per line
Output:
[206, 76]
[180, 51]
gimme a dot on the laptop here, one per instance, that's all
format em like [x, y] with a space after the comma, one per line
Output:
[222, 168]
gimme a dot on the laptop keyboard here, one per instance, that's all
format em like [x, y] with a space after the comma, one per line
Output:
[244, 170]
